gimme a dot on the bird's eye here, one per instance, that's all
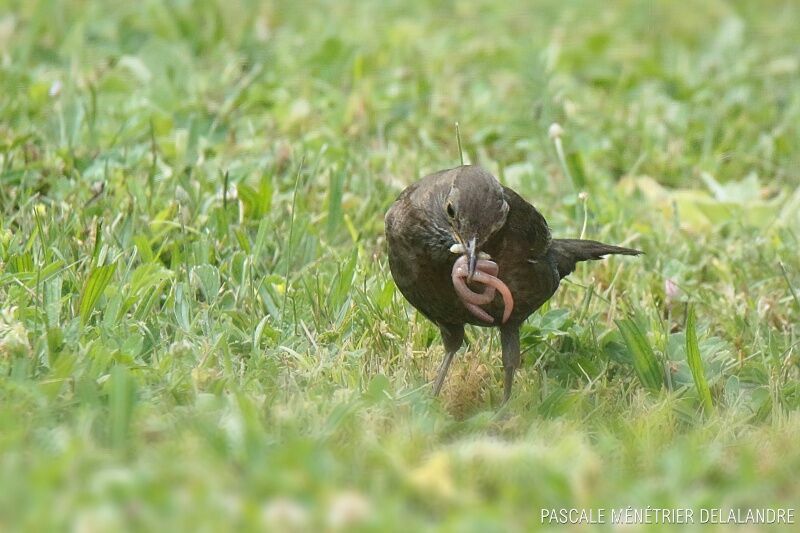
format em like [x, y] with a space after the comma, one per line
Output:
[451, 212]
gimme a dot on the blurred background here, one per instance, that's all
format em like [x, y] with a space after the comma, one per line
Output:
[197, 325]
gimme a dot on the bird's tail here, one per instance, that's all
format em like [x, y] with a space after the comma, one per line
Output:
[568, 252]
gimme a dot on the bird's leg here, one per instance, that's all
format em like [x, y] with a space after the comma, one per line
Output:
[445, 366]
[452, 336]
[509, 341]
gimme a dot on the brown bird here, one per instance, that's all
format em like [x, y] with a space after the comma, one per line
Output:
[459, 231]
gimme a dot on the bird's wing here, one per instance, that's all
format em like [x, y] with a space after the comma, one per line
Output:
[526, 225]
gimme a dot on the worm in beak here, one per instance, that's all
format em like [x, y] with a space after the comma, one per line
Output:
[485, 274]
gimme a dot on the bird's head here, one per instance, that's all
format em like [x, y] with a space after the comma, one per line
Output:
[474, 208]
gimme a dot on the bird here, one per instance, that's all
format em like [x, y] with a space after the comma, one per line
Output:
[459, 231]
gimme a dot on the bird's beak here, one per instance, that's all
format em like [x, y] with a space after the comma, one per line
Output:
[469, 249]
[472, 258]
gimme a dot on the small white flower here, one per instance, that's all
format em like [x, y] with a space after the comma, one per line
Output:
[284, 514]
[555, 131]
[671, 289]
[99, 518]
[13, 335]
[55, 89]
[348, 509]
[262, 30]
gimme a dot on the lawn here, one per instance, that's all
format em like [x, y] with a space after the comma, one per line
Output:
[198, 328]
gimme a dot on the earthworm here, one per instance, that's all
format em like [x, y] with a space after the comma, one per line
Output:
[485, 274]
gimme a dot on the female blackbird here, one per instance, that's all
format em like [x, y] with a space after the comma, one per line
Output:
[503, 242]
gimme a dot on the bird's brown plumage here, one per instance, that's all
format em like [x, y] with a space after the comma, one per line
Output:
[464, 203]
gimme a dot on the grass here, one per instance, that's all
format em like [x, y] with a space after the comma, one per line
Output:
[198, 329]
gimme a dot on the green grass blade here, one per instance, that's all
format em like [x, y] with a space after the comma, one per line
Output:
[93, 289]
[122, 398]
[261, 239]
[696, 363]
[644, 359]
[336, 191]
